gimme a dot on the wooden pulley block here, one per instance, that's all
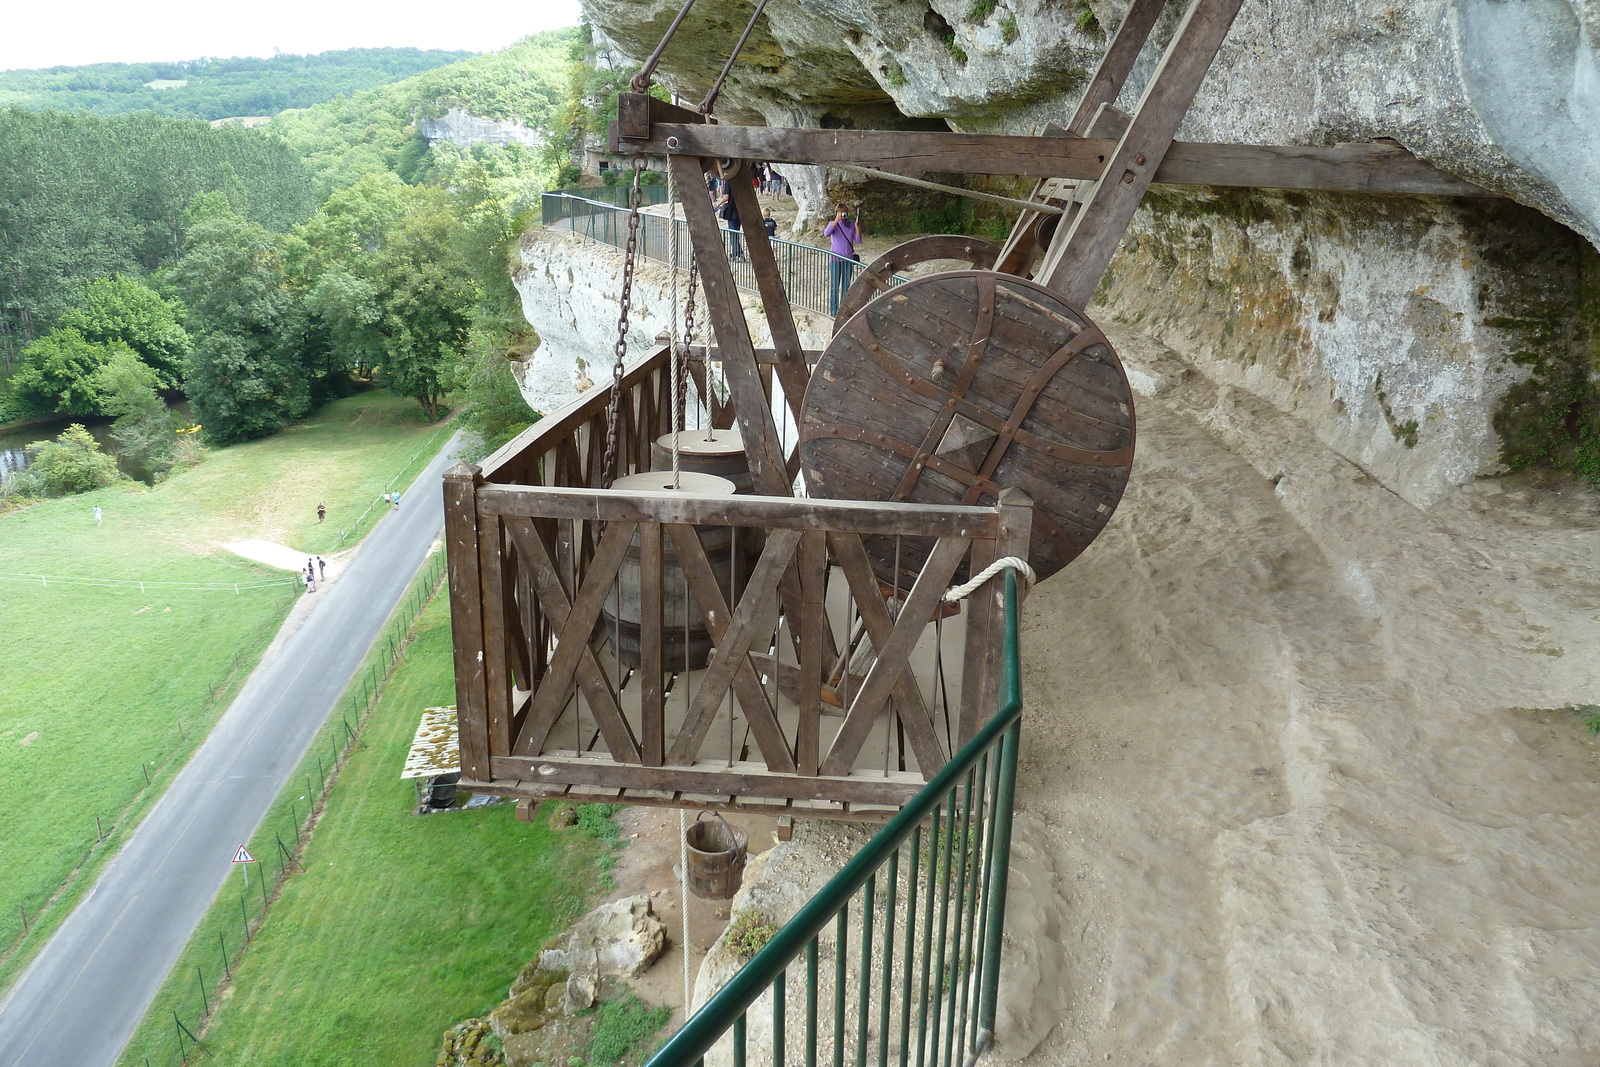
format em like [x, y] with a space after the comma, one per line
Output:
[952, 387]
[875, 278]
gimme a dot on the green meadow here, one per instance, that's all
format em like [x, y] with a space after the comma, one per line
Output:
[101, 684]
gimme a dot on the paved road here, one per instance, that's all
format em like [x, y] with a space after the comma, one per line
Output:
[80, 1000]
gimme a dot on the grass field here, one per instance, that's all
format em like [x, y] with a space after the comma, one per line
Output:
[399, 926]
[97, 680]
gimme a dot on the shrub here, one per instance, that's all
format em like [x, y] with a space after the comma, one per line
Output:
[73, 463]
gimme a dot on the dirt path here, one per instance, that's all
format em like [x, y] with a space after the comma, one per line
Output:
[1307, 816]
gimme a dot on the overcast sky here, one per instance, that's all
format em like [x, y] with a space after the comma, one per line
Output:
[48, 33]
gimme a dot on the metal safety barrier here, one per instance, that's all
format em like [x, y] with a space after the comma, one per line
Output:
[911, 930]
[806, 269]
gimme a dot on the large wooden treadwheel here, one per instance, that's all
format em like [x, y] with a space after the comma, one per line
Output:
[955, 386]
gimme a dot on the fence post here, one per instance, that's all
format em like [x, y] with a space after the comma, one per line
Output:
[261, 875]
[24, 911]
[99, 832]
[205, 1001]
[223, 944]
[244, 910]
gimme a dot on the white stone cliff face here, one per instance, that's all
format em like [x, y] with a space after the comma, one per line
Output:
[570, 288]
[1506, 94]
[459, 127]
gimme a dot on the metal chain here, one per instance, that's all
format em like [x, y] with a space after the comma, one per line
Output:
[625, 304]
[678, 352]
[681, 400]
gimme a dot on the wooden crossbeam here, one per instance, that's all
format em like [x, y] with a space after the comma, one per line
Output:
[893, 660]
[1350, 168]
[1097, 229]
[732, 638]
[575, 621]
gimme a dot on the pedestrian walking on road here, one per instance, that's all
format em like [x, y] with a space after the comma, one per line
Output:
[386, 500]
[97, 514]
[322, 512]
[322, 568]
[397, 498]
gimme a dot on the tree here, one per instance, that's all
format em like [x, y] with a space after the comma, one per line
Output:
[59, 370]
[428, 296]
[244, 376]
[73, 462]
[143, 429]
[125, 309]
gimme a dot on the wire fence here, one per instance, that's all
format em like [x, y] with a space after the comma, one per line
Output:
[434, 443]
[813, 277]
[206, 968]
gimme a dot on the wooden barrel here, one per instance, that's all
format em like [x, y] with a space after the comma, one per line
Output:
[718, 452]
[685, 641]
[717, 851]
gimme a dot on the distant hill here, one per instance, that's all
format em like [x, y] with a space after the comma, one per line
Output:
[217, 88]
[526, 83]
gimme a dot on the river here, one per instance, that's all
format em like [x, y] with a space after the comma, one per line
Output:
[14, 442]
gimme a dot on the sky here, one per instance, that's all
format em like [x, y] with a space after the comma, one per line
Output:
[48, 33]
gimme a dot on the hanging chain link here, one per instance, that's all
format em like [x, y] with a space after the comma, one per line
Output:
[681, 400]
[625, 304]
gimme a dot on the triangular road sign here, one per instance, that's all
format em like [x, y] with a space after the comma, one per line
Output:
[243, 856]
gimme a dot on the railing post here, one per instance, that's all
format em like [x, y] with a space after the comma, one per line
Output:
[1000, 856]
[461, 534]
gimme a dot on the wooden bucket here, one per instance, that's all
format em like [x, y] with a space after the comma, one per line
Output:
[717, 853]
[685, 641]
[718, 452]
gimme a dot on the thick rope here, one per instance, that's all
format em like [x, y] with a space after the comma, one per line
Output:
[975, 194]
[683, 905]
[1017, 563]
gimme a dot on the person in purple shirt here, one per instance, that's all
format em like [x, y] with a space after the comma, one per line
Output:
[845, 235]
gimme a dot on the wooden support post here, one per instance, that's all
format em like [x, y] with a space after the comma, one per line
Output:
[984, 660]
[756, 425]
[793, 373]
[652, 701]
[466, 616]
[1094, 235]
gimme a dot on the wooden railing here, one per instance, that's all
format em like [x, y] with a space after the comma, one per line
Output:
[826, 691]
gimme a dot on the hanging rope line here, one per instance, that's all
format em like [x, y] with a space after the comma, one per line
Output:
[1017, 563]
[974, 194]
[125, 583]
[677, 351]
[683, 904]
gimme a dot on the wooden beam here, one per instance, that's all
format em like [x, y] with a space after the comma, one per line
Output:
[1351, 168]
[461, 483]
[746, 778]
[785, 513]
[793, 372]
[756, 425]
[1117, 62]
[1098, 228]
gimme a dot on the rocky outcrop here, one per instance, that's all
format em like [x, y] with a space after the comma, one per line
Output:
[461, 128]
[619, 939]
[1506, 94]
[570, 286]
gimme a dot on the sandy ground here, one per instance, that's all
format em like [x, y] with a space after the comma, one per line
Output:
[1296, 785]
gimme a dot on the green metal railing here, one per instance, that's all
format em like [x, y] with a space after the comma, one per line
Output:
[805, 269]
[911, 929]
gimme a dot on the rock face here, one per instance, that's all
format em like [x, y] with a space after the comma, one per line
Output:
[570, 287]
[619, 939]
[1506, 94]
[459, 127]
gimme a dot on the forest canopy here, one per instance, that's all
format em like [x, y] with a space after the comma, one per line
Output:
[216, 88]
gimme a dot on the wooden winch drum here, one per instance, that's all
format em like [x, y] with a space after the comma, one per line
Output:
[717, 853]
[685, 641]
[715, 452]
